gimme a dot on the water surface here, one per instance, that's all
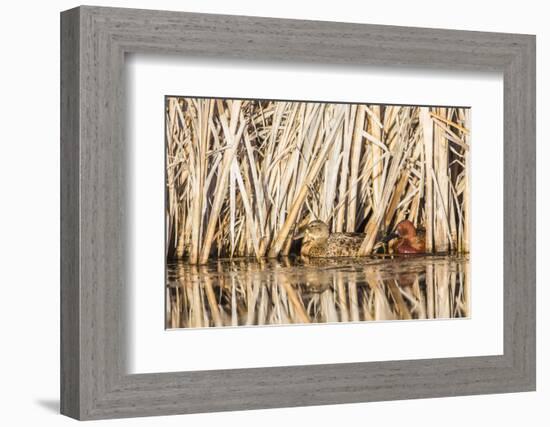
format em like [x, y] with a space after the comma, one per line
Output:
[239, 292]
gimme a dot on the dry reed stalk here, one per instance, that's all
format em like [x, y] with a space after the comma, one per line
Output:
[330, 175]
[427, 131]
[356, 149]
[443, 230]
[232, 136]
[453, 215]
[247, 207]
[399, 196]
[258, 189]
[344, 173]
[371, 231]
[445, 120]
[194, 164]
[170, 178]
[466, 193]
[296, 206]
[439, 175]
[376, 153]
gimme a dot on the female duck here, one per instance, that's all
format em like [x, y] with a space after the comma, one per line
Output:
[409, 240]
[318, 242]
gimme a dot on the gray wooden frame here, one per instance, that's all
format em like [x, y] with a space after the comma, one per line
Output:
[94, 41]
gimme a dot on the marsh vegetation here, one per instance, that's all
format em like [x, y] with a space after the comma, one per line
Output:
[243, 176]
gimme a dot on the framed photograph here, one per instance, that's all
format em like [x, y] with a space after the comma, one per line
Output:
[261, 213]
[326, 212]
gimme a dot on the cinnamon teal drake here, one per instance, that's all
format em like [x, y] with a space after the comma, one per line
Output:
[409, 239]
[319, 242]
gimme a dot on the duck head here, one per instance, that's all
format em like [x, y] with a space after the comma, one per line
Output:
[404, 230]
[315, 231]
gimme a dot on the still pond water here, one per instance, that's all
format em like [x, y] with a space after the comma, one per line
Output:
[245, 292]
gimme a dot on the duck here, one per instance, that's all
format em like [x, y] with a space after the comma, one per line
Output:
[319, 242]
[409, 239]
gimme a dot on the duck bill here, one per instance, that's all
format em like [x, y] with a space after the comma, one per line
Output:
[298, 236]
[389, 237]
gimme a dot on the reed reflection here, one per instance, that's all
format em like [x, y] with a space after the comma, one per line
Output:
[244, 292]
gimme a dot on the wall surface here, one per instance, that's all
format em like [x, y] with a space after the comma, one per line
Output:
[29, 224]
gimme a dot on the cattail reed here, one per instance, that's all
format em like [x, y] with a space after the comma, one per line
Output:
[243, 174]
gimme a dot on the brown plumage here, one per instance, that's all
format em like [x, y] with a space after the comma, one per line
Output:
[409, 239]
[318, 242]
